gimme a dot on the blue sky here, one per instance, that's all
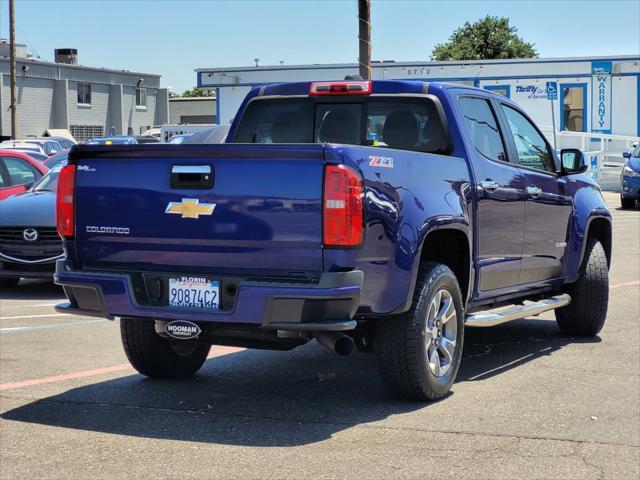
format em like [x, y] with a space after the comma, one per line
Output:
[172, 37]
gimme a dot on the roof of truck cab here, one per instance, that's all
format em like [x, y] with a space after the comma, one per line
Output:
[378, 87]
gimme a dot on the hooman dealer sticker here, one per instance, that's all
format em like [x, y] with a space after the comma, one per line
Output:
[183, 330]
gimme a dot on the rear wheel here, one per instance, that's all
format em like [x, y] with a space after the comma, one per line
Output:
[158, 357]
[627, 202]
[9, 282]
[419, 352]
[586, 313]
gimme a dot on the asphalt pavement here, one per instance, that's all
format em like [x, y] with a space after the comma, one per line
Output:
[528, 402]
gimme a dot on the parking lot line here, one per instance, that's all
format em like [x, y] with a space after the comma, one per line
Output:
[37, 316]
[41, 327]
[65, 376]
[31, 305]
[216, 352]
[625, 284]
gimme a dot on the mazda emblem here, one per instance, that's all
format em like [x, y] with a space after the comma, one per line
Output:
[30, 234]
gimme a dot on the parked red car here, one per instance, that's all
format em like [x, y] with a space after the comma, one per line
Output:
[18, 171]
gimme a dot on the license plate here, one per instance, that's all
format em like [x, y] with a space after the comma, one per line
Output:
[194, 292]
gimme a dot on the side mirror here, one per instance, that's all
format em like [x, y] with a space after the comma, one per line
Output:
[572, 161]
[626, 154]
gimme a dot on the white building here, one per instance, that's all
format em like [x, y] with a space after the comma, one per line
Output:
[596, 94]
[192, 110]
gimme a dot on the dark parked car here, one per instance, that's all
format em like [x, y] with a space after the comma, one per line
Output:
[630, 179]
[147, 139]
[210, 135]
[29, 243]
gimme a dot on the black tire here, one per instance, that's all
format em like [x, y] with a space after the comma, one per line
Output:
[402, 341]
[627, 202]
[586, 313]
[158, 357]
[9, 282]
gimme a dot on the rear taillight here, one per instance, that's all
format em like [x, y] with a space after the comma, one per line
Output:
[65, 202]
[340, 88]
[342, 210]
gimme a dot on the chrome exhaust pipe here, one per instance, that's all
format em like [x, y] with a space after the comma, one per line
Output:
[336, 342]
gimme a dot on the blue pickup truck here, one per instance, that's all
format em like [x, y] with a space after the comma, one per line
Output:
[385, 216]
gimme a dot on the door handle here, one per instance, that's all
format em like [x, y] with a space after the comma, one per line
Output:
[533, 191]
[191, 176]
[489, 185]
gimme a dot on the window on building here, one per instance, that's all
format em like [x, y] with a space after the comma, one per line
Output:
[533, 151]
[84, 93]
[573, 108]
[141, 97]
[82, 133]
[483, 127]
[504, 90]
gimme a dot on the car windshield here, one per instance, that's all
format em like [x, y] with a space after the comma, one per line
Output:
[49, 183]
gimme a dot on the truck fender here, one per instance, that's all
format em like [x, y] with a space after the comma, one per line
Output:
[465, 272]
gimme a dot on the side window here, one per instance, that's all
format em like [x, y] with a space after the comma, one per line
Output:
[483, 127]
[4, 180]
[20, 172]
[533, 151]
[406, 125]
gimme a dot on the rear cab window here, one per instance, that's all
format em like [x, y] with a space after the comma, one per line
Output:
[403, 123]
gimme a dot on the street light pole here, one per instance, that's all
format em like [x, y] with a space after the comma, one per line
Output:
[12, 62]
[364, 36]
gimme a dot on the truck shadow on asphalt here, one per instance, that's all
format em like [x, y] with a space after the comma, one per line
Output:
[265, 399]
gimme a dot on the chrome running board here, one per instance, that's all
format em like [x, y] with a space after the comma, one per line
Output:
[489, 319]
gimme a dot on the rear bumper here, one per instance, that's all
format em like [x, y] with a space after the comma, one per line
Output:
[328, 305]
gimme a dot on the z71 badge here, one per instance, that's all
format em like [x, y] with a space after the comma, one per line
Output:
[384, 162]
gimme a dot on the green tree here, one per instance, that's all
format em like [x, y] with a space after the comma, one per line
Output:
[488, 38]
[197, 92]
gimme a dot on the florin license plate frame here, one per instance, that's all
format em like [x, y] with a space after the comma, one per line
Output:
[193, 292]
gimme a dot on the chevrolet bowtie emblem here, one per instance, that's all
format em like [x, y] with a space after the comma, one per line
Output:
[190, 208]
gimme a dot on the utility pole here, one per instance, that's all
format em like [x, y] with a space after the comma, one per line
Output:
[364, 36]
[12, 61]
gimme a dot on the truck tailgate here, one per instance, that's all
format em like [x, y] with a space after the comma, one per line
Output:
[261, 213]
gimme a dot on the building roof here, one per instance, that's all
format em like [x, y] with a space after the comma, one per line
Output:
[38, 61]
[430, 63]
